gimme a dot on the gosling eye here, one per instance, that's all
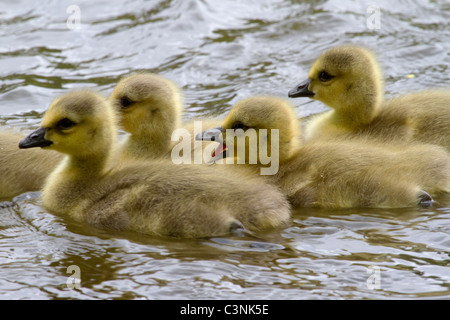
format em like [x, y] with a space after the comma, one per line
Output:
[125, 103]
[325, 76]
[239, 125]
[65, 124]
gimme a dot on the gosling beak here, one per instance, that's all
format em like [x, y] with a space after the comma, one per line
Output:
[35, 139]
[301, 90]
[214, 134]
[210, 134]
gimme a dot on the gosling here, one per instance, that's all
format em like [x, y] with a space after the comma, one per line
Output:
[349, 80]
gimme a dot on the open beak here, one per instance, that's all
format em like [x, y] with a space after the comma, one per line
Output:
[215, 134]
[35, 139]
[301, 90]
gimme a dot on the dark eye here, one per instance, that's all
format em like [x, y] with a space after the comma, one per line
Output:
[125, 103]
[65, 124]
[325, 76]
[239, 125]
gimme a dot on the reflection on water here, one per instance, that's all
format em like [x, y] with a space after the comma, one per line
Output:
[219, 52]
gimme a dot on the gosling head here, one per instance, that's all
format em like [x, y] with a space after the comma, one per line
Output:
[148, 104]
[79, 123]
[346, 78]
[269, 123]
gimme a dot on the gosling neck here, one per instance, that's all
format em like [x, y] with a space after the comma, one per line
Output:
[88, 166]
[284, 151]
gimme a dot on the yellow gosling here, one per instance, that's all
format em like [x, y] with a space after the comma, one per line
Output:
[151, 197]
[21, 171]
[150, 109]
[349, 80]
[333, 173]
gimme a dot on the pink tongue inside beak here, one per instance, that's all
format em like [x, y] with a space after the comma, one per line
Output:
[220, 149]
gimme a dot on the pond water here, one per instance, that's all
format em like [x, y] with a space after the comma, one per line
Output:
[219, 51]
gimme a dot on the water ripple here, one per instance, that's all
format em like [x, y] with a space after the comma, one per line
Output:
[218, 51]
